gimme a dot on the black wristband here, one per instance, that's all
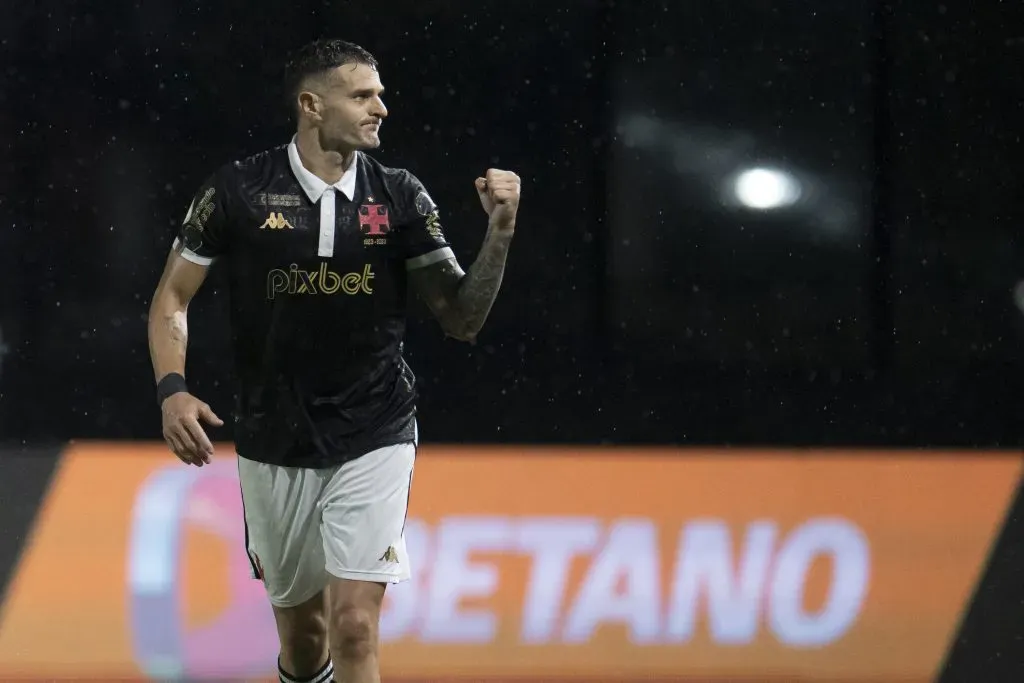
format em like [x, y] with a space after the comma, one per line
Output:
[168, 386]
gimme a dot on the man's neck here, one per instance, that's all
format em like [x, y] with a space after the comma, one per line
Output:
[326, 165]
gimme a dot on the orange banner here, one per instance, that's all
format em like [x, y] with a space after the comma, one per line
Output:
[533, 562]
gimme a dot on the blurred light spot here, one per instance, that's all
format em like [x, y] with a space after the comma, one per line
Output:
[1018, 295]
[765, 188]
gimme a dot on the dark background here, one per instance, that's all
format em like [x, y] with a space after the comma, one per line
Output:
[641, 305]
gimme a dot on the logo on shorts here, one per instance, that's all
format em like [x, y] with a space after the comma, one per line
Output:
[390, 555]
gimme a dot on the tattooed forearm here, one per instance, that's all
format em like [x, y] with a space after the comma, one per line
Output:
[479, 288]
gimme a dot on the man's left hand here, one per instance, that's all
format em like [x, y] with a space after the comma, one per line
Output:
[499, 195]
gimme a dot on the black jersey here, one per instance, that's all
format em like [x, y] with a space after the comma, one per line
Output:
[317, 280]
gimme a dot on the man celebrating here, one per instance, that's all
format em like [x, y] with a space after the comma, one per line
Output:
[321, 243]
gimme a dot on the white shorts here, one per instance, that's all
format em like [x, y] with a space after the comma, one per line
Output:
[305, 525]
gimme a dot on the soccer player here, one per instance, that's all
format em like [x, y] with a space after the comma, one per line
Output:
[321, 243]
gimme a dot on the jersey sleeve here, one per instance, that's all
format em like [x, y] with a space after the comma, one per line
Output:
[203, 234]
[421, 236]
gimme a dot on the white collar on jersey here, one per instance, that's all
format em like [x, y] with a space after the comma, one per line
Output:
[314, 187]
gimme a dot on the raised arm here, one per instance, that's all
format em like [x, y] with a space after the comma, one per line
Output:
[461, 301]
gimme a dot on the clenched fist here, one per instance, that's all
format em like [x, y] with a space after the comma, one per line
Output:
[499, 195]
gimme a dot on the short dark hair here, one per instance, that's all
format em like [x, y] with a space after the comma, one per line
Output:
[319, 57]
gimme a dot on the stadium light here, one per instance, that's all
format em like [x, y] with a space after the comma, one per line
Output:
[766, 188]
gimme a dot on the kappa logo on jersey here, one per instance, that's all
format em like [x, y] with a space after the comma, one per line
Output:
[322, 281]
[373, 219]
[390, 555]
[276, 221]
